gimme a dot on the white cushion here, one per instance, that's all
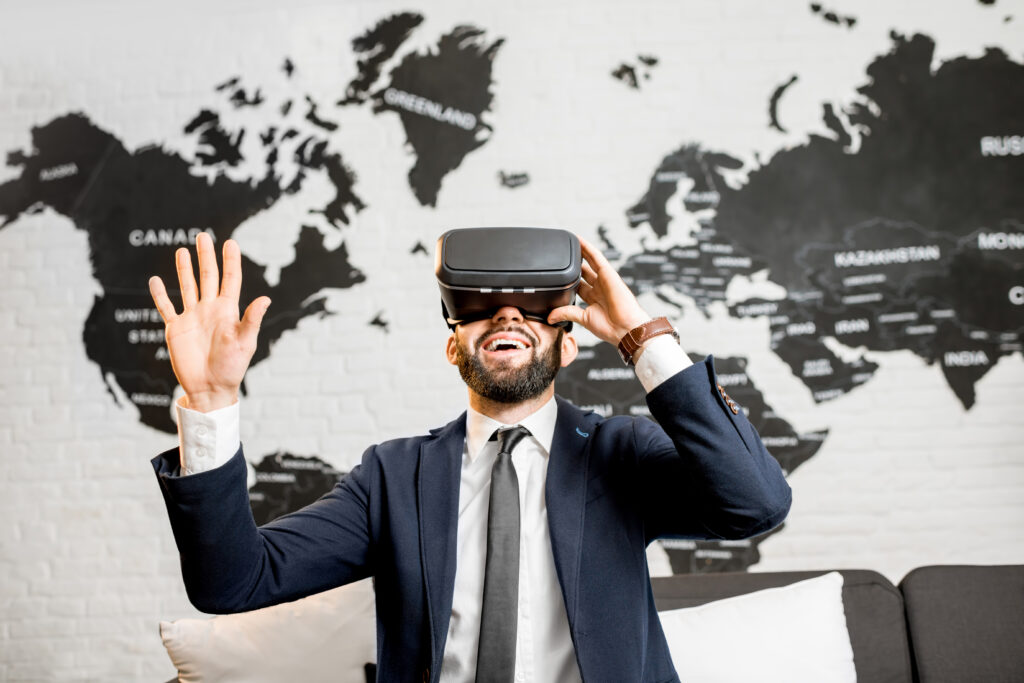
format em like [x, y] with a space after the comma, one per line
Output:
[330, 636]
[793, 634]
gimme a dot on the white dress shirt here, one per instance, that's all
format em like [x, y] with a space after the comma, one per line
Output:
[544, 650]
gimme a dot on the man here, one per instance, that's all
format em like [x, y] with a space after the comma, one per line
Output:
[425, 515]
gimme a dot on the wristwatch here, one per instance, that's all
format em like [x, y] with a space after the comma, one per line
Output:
[635, 338]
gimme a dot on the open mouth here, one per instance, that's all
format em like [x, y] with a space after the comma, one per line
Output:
[506, 343]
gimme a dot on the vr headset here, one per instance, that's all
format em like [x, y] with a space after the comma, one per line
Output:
[480, 270]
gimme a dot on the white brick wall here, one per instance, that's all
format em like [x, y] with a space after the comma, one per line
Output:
[89, 567]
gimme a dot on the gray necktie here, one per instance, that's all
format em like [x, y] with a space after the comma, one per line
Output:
[496, 654]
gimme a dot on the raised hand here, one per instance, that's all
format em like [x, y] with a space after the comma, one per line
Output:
[210, 347]
[611, 310]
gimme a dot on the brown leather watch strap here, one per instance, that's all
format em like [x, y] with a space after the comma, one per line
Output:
[635, 338]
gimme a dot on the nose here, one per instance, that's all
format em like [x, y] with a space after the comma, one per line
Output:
[507, 314]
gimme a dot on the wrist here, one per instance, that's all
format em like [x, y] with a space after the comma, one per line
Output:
[209, 401]
[630, 323]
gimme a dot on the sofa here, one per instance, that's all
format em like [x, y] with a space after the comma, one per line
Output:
[942, 624]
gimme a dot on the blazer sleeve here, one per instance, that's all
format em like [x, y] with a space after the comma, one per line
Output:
[705, 473]
[230, 565]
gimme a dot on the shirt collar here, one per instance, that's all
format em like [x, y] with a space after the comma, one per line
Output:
[541, 424]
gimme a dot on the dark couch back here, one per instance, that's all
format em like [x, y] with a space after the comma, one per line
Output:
[873, 605]
[966, 623]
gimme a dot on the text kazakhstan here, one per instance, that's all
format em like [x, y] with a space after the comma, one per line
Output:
[885, 257]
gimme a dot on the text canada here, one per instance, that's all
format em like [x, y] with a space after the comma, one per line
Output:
[167, 237]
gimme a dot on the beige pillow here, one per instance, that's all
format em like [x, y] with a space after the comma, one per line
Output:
[330, 636]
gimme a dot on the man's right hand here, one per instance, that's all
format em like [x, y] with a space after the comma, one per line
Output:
[210, 347]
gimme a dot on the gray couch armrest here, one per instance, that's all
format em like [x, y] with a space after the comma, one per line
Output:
[966, 623]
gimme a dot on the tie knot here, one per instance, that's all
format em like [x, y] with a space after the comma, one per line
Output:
[509, 437]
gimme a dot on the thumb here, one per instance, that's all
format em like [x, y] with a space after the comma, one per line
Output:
[252, 319]
[573, 314]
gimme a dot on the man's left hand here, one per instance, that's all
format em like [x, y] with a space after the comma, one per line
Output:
[611, 310]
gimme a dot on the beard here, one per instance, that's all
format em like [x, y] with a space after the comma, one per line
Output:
[506, 383]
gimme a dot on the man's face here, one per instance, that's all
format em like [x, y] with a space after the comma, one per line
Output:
[507, 359]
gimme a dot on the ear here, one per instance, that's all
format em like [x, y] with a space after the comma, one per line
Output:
[449, 349]
[569, 349]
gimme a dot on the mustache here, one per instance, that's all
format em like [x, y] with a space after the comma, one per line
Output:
[505, 328]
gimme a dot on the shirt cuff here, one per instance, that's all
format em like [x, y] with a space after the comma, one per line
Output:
[662, 357]
[206, 440]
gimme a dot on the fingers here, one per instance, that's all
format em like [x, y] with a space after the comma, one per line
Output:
[586, 292]
[163, 303]
[588, 273]
[251, 321]
[601, 274]
[595, 267]
[606, 287]
[231, 284]
[208, 275]
[186, 278]
[593, 255]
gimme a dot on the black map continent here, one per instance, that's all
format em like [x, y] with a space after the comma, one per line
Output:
[137, 208]
[597, 380]
[903, 230]
[441, 98]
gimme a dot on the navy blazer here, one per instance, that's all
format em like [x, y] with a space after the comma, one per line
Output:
[613, 486]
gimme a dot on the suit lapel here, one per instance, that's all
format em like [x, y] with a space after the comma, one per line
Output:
[565, 493]
[438, 498]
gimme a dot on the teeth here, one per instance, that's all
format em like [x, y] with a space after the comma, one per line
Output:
[495, 343]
